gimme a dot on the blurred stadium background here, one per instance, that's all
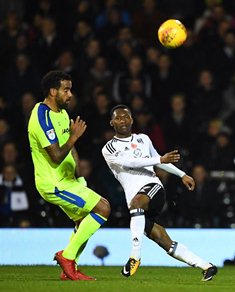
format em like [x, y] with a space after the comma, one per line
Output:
[183, 99]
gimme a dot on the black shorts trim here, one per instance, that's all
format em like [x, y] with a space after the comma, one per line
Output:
[157, 196]
[150, 190]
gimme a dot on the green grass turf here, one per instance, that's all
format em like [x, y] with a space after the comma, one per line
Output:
[147, 279]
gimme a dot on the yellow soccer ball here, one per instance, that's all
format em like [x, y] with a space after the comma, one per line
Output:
[172, 33]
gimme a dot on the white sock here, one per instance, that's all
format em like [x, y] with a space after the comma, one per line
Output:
[181, 252]
[137, 226]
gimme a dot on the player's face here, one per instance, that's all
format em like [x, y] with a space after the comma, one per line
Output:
[64, 94]
[122, 122]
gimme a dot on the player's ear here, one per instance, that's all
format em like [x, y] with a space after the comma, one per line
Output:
[53, 91]
[111, 123]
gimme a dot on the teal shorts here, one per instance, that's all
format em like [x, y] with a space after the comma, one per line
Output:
[73, 198]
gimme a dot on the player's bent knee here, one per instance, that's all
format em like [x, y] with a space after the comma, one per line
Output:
[103, 208]
[105, 201]
[139, 201]
[106, 208]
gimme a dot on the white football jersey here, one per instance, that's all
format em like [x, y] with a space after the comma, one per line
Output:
[131, 160]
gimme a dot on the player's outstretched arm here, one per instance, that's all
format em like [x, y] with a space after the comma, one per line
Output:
[189, 182]
[170, 157]
[166, 163]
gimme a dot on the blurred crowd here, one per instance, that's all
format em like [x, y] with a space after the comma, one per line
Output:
[183, 99]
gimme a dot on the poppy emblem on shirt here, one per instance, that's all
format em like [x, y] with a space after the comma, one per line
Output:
[133, 146]
[51, 134]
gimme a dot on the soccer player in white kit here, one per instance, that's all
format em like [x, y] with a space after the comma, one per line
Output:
[132, 158]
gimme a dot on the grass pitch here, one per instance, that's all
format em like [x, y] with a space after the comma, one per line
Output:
[147, 279]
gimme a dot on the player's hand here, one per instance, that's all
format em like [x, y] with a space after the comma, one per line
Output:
[170, 157]
[189, 182]
[77, 127]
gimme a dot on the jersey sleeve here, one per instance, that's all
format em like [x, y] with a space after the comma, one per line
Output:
[44, 130]
[117, 157]
[152, 150]
[171, 168]
[168, 167]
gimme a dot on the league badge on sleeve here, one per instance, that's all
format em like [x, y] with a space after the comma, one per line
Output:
[51, 134]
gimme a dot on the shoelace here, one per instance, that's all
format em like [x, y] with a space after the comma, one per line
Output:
[132, 263]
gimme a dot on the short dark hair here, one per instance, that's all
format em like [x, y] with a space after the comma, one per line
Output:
[123, 106]
[52, 80]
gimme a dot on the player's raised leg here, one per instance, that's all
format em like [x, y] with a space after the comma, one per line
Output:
[181, 252]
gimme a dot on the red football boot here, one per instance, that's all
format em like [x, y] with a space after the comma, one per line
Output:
[68, 266]
[80, 276]
[63, 276]
[84, 277]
